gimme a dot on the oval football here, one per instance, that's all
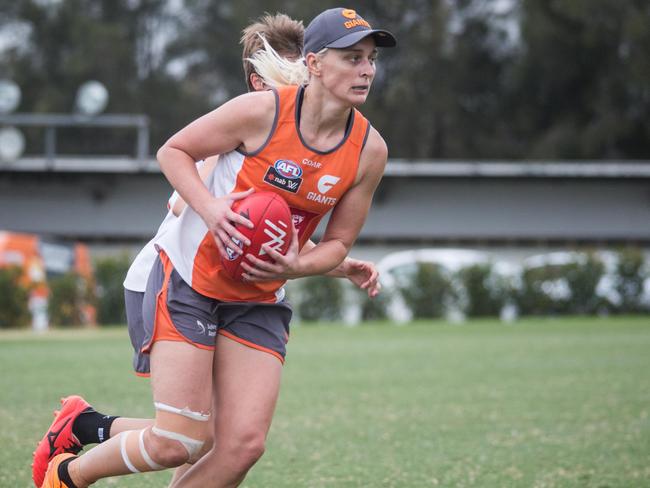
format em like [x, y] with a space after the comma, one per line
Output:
[271, 219]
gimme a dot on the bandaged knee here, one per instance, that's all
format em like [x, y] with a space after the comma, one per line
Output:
[185, 412]
[192, 446]
[174, 429]
[134, 452]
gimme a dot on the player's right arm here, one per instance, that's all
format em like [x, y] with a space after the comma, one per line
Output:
[245, 122]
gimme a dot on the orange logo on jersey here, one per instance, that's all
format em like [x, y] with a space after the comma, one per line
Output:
[348, 13]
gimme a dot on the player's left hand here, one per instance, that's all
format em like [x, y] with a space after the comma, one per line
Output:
[364, 275]
[281, 267]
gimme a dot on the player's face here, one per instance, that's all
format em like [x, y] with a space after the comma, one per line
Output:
[348, 73]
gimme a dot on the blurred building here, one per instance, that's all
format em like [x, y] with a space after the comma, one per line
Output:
[508, 205]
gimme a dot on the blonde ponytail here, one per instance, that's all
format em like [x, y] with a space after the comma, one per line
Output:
[276, 70]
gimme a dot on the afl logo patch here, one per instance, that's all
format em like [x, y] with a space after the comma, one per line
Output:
[284, 174]
[288, 169]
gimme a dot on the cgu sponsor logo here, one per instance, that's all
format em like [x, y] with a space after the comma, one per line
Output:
[288, 169]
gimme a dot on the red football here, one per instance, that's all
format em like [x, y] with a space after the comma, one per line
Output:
[271, 220]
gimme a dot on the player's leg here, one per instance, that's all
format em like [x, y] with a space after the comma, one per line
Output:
[181, 362]
[133, 301]
[182, 400]
[250, 351]
[77, 423]
[95, 427]
[242, 415]
[181, 470]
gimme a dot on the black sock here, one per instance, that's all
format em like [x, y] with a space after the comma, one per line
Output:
[92, 427]
[63, 473]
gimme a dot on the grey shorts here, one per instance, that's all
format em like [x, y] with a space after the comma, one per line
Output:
[172, 310]
[133, 303]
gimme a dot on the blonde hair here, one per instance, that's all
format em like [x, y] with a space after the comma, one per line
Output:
[282, 34]
[276, 70]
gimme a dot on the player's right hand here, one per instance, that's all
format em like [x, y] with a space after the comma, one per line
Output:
[221, 221]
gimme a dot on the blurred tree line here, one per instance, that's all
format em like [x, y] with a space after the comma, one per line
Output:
[469, 79]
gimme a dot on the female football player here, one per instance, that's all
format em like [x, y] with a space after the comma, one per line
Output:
[196, 316]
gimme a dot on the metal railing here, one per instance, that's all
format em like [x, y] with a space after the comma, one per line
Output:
[50, 122]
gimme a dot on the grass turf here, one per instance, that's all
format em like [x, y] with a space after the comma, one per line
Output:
[542, 403]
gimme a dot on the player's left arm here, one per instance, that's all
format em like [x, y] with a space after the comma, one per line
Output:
[342, 230]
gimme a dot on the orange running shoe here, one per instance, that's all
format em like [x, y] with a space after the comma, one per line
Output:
[59, 438]
[52, 476]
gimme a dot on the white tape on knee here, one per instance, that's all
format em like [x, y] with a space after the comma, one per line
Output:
[125, 455]
[185, 412]
[193, 446]
[145, 455]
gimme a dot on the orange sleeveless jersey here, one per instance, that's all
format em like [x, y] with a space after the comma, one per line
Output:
[310, 181]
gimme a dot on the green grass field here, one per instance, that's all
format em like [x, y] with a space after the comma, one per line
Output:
[543, 403]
